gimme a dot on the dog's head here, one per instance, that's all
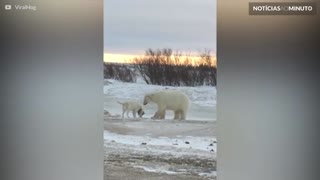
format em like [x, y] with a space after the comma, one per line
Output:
[140, 112]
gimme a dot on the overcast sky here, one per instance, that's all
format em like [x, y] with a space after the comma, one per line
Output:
[132, 26]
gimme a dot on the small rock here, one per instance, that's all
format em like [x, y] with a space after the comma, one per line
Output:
[113, 141]
[212, 150]
[187, 142]
[143, 143]
[211, 144]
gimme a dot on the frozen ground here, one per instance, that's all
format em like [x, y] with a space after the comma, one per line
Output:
[138, 149]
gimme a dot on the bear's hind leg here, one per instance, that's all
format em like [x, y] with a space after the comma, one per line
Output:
[183, 115]
[176, 115]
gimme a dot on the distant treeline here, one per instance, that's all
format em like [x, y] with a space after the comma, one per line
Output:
[163, 67]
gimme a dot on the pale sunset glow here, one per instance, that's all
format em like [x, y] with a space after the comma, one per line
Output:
[118, 58]
[126, 58]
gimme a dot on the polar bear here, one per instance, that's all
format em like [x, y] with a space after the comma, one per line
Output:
[169, 100]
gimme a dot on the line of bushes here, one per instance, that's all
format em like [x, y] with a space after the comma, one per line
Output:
[163, 67]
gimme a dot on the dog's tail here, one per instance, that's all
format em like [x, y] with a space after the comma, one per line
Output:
[120, 102]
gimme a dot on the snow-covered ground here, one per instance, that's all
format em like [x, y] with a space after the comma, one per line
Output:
[188, 144]
[175, 149]
[203, 98]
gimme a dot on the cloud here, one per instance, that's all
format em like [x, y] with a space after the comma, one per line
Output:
[131, 26]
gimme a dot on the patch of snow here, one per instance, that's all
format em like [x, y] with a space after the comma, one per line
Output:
[156, 170]
[211, 174]
[195, 143]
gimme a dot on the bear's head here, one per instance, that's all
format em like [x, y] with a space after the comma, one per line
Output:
[147, 99]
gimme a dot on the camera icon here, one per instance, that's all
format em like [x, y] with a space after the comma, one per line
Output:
[7, 7]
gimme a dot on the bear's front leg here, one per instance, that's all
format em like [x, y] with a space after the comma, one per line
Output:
[161, 112]
[162, 115]
[155, 116]
[158, 115]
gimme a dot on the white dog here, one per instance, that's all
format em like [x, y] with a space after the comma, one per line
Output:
[131, 106]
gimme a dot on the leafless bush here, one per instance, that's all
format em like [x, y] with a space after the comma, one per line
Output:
[163, 67]
[119, 72]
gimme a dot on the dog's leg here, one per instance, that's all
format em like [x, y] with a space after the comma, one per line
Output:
[128, 114]
[123, 115]
[134, 114]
